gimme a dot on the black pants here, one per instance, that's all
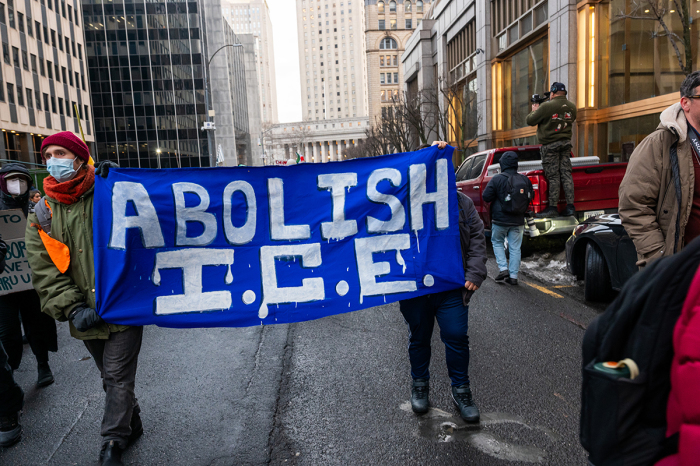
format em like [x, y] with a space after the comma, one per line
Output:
[11, 396]
[40, 328]
[116, 358]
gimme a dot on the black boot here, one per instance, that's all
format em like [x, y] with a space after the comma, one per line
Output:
[45, 377]
[111, 454]
[462, 396]
[10, 430]
[419, 396]
[136, 428]
[502, 275]
[512, 281]
[549, 212]
[570, 211]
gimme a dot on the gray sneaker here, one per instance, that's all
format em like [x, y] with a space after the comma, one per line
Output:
[462, 396]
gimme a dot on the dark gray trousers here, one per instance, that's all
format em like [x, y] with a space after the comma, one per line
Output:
[116, 358]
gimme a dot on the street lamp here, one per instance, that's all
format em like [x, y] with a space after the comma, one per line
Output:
[209, 125]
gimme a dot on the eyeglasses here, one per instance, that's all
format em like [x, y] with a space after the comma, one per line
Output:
[692, 96]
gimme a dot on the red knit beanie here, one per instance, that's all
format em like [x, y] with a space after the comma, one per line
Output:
[70, 141]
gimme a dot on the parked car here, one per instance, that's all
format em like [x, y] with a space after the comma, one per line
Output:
[602, 254]
[595, 185]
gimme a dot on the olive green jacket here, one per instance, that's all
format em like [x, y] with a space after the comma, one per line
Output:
[61, 293]
[554, 120]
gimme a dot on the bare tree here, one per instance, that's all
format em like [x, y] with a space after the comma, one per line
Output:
[656, 10]
[300, 136]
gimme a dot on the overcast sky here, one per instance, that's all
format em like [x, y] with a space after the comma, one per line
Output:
[284, 33]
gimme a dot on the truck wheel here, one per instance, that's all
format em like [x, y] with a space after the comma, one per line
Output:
[596, 275]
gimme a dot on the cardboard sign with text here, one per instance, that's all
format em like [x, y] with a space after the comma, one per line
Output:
[17, 275]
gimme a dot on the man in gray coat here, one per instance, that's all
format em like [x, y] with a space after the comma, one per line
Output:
[451, 310]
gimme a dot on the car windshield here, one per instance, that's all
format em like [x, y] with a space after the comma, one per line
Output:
[523, 156]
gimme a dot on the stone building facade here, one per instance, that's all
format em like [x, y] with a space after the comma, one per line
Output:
[43, 76]
[316, 141]
[619, 68]
[332, 61]
[253, 17]
[388, 26]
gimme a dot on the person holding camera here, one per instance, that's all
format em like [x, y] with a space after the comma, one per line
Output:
[554, 120]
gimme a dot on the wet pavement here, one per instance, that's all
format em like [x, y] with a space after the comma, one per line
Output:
[331, 391]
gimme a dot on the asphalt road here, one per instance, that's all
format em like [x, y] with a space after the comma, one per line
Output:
[331, 391]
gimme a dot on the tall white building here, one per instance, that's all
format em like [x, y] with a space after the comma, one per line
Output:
[253, 17]
[332, 60]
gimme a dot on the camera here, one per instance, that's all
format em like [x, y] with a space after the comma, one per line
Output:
[538, 99]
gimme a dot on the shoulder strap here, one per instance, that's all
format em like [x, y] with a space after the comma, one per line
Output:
[44, 214]
[675, 171]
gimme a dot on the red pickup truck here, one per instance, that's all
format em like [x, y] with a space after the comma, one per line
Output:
[595, 186]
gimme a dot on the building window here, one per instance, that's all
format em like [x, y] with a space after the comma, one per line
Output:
[392, 6]
[388, 44]
[381, 60]
[30, 100]
[461, 48]
[10, 94]
[33, 59]
[2, 92]
[407, 6]
[20, 20]
[20, 96]
[46, 102]
[380, 7]
[37, 97]
[11, 13]
[409, 24]
[41, 68]
[2, 20]
[516, 79]
[60, 106]
[25, 61]
[15, 56]
[382, 79]
[419, 6]
[382, 25]
[6, 53]
[392, 24]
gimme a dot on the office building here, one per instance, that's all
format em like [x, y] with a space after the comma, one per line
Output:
[148, 72]
[42, 76]
[621, 72]
[332, 61]
[253, 17]
[388, 26]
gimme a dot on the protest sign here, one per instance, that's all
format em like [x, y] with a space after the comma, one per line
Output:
[17, 275]
[261, 245]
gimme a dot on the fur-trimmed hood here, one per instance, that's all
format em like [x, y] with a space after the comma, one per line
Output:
[674, 120]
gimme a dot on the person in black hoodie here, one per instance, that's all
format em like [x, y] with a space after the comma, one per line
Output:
[15, 184]
[504, 224]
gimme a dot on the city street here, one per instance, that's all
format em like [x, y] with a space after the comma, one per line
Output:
[331, 391]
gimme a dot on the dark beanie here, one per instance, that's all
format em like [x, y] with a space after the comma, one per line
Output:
[70, 141]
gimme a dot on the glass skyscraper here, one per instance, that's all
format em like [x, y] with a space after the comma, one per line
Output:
[147, 66]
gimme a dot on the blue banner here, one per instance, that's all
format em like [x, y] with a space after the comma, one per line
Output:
[242, 246]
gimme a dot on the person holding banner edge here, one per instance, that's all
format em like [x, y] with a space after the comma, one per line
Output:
[61, 257]
[15, 185]
[451, 310]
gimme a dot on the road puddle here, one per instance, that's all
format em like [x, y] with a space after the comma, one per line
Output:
[442, 426]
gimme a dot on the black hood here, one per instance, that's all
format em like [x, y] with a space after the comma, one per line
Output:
[509, 161]
[15, 167]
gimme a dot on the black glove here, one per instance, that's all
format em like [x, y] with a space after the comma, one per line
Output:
[102, 168]
[84, 318]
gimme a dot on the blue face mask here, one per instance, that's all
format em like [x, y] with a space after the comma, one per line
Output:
[61, 169]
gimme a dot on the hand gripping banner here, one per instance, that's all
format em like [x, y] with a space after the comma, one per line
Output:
[242, 246]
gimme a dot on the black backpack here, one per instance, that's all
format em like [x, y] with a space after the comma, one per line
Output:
[517, 200]
[623, 420]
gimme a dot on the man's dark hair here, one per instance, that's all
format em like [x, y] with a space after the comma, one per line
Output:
[423, 146]
[690, 83]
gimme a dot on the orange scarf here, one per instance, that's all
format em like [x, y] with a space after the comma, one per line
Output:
[69, 192]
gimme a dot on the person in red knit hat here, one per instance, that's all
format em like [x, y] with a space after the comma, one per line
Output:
[59, 246]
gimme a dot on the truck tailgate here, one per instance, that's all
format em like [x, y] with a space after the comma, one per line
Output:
[595, 186]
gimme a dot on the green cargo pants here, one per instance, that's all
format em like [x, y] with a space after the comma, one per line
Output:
[556, 161]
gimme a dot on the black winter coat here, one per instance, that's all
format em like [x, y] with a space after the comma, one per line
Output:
[497, 190]
[473, 242]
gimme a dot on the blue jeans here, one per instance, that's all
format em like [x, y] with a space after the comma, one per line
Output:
[515, 240]
[453, 318]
